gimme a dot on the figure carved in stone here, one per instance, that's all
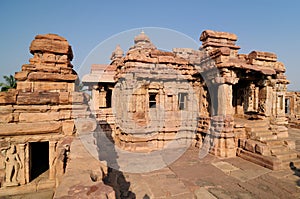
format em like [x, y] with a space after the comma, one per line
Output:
[12, 166]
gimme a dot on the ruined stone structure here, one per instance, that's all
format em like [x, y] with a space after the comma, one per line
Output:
[292, 108]
[215, 98]
[36, 118]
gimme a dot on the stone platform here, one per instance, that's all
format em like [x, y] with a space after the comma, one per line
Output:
[188, 177]
[211, 177]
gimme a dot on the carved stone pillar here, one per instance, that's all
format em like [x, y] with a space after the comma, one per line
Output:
[225, 99]
[27, 164]
[22, 172]
[269, 101]
[223, 136]
[102, 98]
[252, 99]
[52, 159]
[95, 97]
[222, 123]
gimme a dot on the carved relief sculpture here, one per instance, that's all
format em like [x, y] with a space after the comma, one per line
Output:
[12, 166]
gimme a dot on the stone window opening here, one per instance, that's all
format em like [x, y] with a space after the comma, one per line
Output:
[169, 103]
[108, 98]
[152, 100]
[182, 101]
[287, 106]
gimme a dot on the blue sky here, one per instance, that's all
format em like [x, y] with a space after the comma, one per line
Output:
[260, 25]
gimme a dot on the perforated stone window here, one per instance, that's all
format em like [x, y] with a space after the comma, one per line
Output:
[287, 106]
[182, 101]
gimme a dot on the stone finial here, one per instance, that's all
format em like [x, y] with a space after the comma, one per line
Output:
[117, 53]
[141, 37]
[142, 41]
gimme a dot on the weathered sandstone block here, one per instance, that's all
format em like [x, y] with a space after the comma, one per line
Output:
[51, 43]
[68, 127]
[8, 97]
[38, 117]
[40, 76]
[21, 76]
[38, 98]
[10, 129]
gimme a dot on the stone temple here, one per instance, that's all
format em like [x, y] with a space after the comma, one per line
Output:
[225, 103]
[238, 101]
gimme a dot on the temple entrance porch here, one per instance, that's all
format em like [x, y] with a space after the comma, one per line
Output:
[249, 96]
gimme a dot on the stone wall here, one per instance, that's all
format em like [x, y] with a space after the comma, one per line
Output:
[292, 108]
[157, 99]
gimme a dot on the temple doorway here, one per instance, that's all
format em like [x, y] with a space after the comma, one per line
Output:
[39, 158]
[238, 98]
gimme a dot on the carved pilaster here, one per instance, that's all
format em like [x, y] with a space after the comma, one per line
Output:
[22, 172]
[225, 99]
[52, 159]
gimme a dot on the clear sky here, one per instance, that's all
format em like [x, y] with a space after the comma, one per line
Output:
[260, 25]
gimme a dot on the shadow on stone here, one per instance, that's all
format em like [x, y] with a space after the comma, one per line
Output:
[296, 172]
[146, 197]
[107, 152]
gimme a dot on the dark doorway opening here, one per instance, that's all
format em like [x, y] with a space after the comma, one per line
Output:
[108, 98]
[39, 158]
[287, 106]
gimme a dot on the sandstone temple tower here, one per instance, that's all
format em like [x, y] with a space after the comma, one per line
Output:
[36, 118]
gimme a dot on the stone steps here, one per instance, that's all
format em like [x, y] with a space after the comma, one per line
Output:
[275, 142]
[266, 137]
[260, 130]
[257, 123]
[256, 129]
[271, 150]
[261, 133]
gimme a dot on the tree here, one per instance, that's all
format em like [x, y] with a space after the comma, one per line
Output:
[10, 82]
